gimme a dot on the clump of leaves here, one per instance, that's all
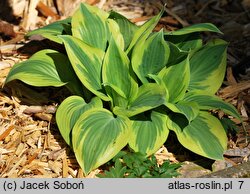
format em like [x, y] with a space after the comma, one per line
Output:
[131, 85]
[137, 165]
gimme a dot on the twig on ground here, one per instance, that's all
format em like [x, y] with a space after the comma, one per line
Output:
[174, 15]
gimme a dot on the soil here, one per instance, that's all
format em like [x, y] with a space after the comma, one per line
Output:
[30, 143]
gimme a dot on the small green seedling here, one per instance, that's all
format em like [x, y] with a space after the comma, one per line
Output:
[137, 165]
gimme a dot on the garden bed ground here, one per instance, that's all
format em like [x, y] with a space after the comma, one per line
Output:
[30, 143]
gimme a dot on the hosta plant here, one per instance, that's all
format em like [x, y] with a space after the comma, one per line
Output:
[131, 85]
